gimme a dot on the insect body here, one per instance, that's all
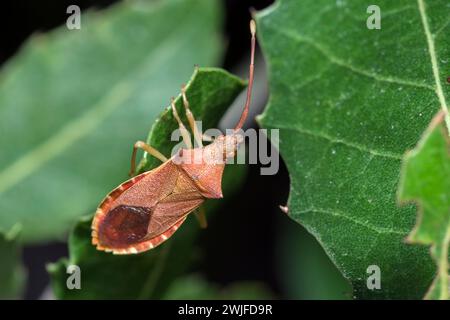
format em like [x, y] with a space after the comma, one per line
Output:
[146, 210]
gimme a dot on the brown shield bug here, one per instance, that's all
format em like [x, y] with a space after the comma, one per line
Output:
[146, 210]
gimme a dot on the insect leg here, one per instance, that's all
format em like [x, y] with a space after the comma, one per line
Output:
[191, 119]
[201, 217]
[183, 130]
[150, 150]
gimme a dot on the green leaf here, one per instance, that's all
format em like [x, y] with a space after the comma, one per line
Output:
[349, 102]
[148, 275]
[73, 102]
[193, 287]
[12, 274]
[425, 179]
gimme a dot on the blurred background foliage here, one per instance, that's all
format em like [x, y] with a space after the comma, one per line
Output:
[244, 250]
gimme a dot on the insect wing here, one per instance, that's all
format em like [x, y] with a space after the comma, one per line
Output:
[144, 211]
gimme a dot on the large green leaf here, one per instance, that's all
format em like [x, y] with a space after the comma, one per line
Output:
[349, 102]
[72, 103]
[425, 179]
[12, 275]
[148, 275]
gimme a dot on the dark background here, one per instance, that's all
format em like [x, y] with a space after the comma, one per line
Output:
[250, 222]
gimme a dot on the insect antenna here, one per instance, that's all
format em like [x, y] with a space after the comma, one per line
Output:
[250, 78]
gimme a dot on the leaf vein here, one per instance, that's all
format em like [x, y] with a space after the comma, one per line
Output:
[439, 31]
[385, 154]
[365, 224]
[340, 62]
